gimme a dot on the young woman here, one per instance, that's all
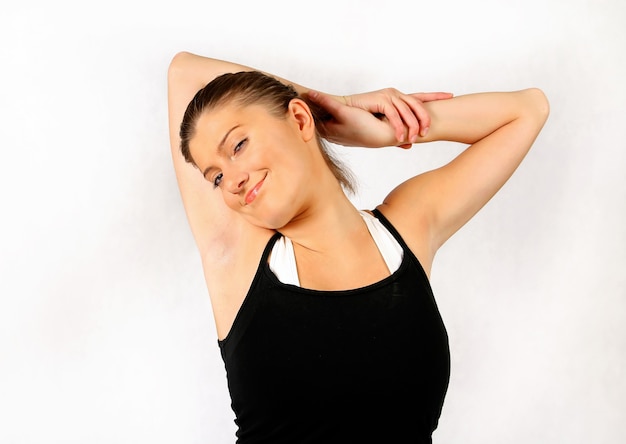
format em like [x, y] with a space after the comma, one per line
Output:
[326, 320]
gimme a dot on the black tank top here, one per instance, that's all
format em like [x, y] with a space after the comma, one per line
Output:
[368, 365]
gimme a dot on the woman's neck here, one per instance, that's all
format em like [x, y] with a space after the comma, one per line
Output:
[330, 220]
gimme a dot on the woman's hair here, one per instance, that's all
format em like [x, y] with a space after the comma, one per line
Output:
[253, 87]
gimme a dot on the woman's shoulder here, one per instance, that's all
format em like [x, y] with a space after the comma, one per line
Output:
[414, 231]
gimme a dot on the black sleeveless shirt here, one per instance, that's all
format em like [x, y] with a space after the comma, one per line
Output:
[368, 365]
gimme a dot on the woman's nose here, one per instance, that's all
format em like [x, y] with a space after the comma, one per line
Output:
[235, 181]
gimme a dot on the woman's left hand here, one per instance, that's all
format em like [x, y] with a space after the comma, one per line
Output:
[379, 118]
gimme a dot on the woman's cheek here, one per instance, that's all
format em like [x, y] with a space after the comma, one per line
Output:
[231, 201]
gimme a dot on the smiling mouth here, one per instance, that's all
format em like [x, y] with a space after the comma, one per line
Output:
[253, 192]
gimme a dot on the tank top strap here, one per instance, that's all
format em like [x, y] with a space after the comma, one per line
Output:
[408, 253]
[268, 248]
[389, 248]
[248, 307]
[383, 220]
[282, 262]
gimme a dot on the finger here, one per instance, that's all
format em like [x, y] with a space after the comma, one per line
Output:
[416, 104]
[420, 112]
[429, 97]
[395, 120]
[409, 117]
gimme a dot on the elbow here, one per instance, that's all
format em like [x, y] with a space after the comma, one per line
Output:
[180, 57]
[178, 65]
[540, 104]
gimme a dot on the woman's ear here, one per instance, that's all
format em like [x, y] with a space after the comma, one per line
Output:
[301, 113]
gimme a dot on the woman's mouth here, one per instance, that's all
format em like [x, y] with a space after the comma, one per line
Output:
[253, 192]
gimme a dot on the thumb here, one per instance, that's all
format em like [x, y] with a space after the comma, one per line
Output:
[329, 103]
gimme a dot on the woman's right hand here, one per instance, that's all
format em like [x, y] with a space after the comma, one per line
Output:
[385, 117]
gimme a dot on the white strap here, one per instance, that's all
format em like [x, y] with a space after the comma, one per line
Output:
[283, 259]
[389, 248]
[283, 262]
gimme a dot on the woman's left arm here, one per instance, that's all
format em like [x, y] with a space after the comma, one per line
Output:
[500, 128]
[386, 117]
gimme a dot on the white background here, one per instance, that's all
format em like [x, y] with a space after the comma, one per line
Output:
[106, 331]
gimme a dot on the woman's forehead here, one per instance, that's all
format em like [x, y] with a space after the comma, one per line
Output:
[214, 126]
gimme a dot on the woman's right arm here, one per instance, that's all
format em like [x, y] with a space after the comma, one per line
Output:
[224, 239]
[207, 214]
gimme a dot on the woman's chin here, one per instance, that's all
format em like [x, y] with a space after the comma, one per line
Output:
[274, 222]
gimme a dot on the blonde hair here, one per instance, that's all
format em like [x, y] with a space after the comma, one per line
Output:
[253, 87]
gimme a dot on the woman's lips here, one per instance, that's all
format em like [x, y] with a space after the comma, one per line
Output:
[253, 192]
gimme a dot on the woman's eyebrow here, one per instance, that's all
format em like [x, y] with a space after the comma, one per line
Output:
[220, 146]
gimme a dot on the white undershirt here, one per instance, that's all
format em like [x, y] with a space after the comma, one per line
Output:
[283, 258]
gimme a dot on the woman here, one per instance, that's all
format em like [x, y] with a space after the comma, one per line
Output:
[325, 317]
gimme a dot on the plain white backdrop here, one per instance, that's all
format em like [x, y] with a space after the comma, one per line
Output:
[106, 331]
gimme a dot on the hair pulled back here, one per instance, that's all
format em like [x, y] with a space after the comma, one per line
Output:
[249, 88]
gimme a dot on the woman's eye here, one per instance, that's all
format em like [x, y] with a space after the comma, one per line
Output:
[239, 146]
[218, 180]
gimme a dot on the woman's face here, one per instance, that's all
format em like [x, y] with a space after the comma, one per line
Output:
[263, 165]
